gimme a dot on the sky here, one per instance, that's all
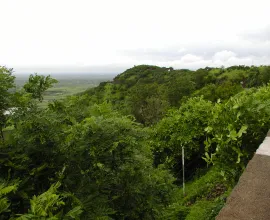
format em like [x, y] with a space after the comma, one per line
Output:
[107, 36]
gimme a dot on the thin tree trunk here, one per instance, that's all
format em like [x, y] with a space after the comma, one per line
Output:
[183, 164]
[2, 134]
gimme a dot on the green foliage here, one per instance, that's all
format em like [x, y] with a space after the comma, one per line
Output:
[223, 91]
[147, 92]
[115, 151]
[182, 128]
[105, 151]
[205, 196]
[6, 188]
[206, 186]
[206, 210]
[38, 84]
[6, 83]
[49, 205]
[237, 127]
[112, 152]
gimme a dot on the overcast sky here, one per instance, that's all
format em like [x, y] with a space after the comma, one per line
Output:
[112, 35]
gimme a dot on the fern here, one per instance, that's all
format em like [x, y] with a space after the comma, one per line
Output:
[49, 205]
[74, 213]
[8, 189]
[5, 189]
[4, 205]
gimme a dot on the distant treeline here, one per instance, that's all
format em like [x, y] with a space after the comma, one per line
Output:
[147, 92]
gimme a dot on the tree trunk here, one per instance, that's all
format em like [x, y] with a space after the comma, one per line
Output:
[183, 166]
[2, 133]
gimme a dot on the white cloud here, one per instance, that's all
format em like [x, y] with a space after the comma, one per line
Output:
[224, 55]
[189, 58]
[181, 50]
[262, 34]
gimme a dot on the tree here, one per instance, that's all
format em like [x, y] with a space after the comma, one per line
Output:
[110, 167]
[38, 84]
[237, 127]
[178, 88]
[6, 83]
[182, 128]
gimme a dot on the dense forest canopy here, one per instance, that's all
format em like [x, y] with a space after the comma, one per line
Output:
[115, 151]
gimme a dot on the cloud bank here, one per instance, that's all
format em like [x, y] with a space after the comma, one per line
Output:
[109, 36]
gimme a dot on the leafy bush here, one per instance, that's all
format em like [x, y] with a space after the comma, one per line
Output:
[182, 128]
[237, 127]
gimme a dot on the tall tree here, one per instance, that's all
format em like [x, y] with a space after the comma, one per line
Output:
[6, 83]
[38, 84]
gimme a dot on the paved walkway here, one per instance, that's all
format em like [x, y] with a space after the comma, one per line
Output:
[250, 199]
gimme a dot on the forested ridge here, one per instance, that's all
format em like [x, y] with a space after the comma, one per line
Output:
[115, 151]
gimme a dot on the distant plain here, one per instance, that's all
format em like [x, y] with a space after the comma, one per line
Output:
[68, 84]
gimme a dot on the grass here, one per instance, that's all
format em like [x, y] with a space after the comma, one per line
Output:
[203, 186]
[60, 92]
[205, 195]
[205, 210]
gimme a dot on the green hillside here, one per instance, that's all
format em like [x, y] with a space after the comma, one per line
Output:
[115, 151]
[147, 92]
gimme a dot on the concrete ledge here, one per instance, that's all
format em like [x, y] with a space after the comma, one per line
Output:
[264, 148]
[250, 198]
